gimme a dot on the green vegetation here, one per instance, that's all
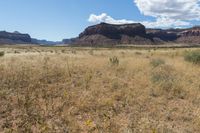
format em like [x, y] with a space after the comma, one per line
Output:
[193, 56]
[157, 62]
[114, 61]
[2, 53]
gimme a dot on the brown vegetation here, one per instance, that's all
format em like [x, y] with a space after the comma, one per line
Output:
[55, 89]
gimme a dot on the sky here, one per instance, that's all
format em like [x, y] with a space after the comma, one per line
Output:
[58, 19]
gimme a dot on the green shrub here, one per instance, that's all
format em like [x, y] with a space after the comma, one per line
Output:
[157, 62]
[193, 56]
[2, 53]
[114, 61]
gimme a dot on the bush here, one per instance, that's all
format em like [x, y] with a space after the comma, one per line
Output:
[2, 53]
[157, 62]
[193, 56]
[114, 61]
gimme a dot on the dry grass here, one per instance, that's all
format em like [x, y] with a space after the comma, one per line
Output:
[57, 89]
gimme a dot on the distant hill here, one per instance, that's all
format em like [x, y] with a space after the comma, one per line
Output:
[45, 42]
[69, 41]
[14, 38]
[104, 34]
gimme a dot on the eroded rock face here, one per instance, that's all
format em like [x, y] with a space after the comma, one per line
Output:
[164, 35]
[115, 31]
[189, 36]
[109, 34]
[195, 31]
[104, 34]
[14, 38]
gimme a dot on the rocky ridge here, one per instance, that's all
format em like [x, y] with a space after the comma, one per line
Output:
[14, 38]
[104, 34]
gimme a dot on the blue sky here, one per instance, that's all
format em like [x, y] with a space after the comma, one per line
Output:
[58, 19]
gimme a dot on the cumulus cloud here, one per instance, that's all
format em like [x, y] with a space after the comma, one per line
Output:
[160, 22]
[171, 9]
[108, 19]
[167, 13]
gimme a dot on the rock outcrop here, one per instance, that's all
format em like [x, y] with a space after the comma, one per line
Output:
[109, 34]
[104, 34]
[115, 31]
[164, 35]
[189, 36]
[14, 38]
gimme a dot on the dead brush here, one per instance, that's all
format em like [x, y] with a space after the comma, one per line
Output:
[91, 52]
[164, 78]
[157, 62]
[82, 93]
[114, 61]
[88, 78]
[73, 51]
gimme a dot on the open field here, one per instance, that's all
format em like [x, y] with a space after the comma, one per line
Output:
[81, 90]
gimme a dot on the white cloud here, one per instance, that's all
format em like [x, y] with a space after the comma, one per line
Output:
[160, 22]
[171, 9]
[108, 19]
[168, 13]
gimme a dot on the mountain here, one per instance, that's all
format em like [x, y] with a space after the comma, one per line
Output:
[45, 42]
[108, 34]
[104, 34]
[14, 38]
[69, 41]
[19, 38]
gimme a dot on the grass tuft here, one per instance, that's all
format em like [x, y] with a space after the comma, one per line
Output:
[193, 56]
[114, 61]
[2, 53]
[157, 62]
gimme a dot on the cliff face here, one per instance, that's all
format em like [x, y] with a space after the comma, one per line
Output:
[104, 34]
[109, 34]
[189, 36]
[14, 38]
[163, 35]
[115, 31]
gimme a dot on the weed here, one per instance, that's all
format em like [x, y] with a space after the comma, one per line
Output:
[114, 61]
[73, 51]
[163, 76]
[80, 93]
[2, 53]
[16, 52]
[193, 56]
[157, 62]
[138, 53]
[91, 52]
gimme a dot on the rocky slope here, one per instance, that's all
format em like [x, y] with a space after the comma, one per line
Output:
[104, 34]
[14, 38]
[108, 34]
[190, 36]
